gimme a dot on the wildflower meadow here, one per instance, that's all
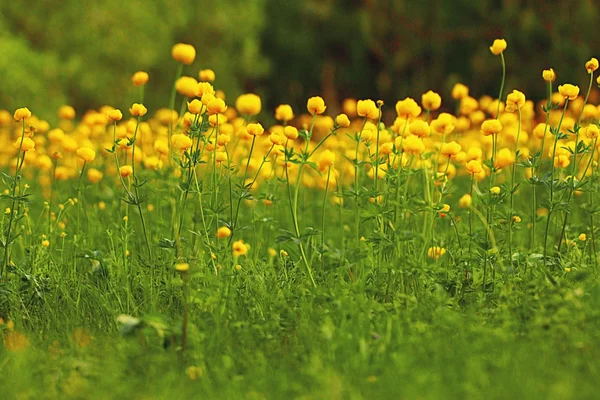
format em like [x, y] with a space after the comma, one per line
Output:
[443, 246]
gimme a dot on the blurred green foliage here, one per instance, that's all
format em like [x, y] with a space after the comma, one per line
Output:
[84, 53]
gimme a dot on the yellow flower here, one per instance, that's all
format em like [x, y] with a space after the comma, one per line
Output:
[459, 91]
[86, 154]
[290, 132]
[592, 131]
[367, 108]
[187, 86]
[465, 201]
[316, 105]
[474, 167]
[223, 232]
[206, 75]
[450, 149]
[420, 128]
[94, 175]
[431, 101]
[248, 104]
[445, 208]
[549, 75]
[138, 110]
[115, 115]
[276, 139]
[140, 78]
[202, 88]
[239, 248]
[125, 171]
[435, 252]
[326, 160]
[184, 53]
[591, 65]
[25, 145]
[284, 113]
[408, 108]
[495, 190]
[46, 243]
[516, 219]
[181, 142]
[216, 106]
[569, 91]
[498, 47]
[255, 129]
[22, 113]
[182, 267]
[443, 124]
[582, 237]
[66, 113]
[342, 121]
[195, 106]
[514, 101]
[491, 127]
[413, 145]
[504, 158]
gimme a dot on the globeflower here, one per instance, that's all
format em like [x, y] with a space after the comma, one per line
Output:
[290, 132]
[86, 154]
[195, 106]
[465, 201]
[66, 113]
[186, 86]
[367, 109]
[184, 53]
[419, 128]
[316, 105]
[248, 104]
[22, 113]
[514, 101]
[549, 75]
[326, 160]
[591, 65]
[408, 108]
[25, 144]
[459, 91]
[255, 129]
[413, 145]
[498, 47]
[342, 121]
[450, 149]
[140, 78]
[206, 75]
[569, 91]
[474, 167]
[216, 106]
[239, 248]
[181, 142]
[491, 127]
[431, 101]
[284, 113]
[435, 252]
[125, 171]
[223, 232]
[138, 110]
[114, 115]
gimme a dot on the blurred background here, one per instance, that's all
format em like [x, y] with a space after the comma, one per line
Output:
[83, 52]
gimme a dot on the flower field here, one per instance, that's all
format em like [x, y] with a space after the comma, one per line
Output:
[438, 247]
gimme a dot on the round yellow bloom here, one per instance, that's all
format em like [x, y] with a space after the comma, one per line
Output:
[94, 176]
[216, 106]
[22, 113]
[115, 115]
[450, 149]
[66, 113]
[516, 219]
[316, 105]
[284, 113]
[435, 252]
[367, 108]
[125, 171]
[186, 86]
[46, 243]
[349, 107]
[290, 132]
[592, 131]
[204, 87]
[498, 47]
[181, 142]
[206, 75]
[342, 121]
[248, 104]
[138, 110]
[582, 237]
[255, 129]
[25, 145]
[459, 91]
[184, 53]
[431, 101]
[326, 160]
[591, 65]
[86, 154]
[413, 145]
[223, 232]
[140, 78]
[420, 128]
[515, 101]
[408, 108]
[569, 91]
[549, 75]
[195, 106]
[465, 201]
[239, 248]
[182, 267]
[495, 190]
[491, 127]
